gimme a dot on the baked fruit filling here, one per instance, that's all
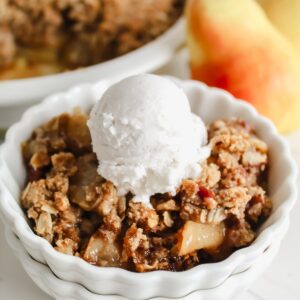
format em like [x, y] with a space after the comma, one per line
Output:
[79, 212]
[45, 37]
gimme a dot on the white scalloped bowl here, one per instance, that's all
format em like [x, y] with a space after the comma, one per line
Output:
[210, 104]
[233, 287]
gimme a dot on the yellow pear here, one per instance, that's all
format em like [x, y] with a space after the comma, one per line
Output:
[234, 46]
[285, 15]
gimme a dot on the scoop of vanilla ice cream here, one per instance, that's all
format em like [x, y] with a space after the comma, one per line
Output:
[145, 136]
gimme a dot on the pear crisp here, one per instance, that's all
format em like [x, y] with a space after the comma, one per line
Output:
[79, 213]
[41, 37]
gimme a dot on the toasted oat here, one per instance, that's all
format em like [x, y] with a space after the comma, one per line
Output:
[210, 175]
[66, 246]
[44, 226]
[168, 221]
[169, 205]
[234, 200]
[108, 199]
[144, 216]
[39, 160]
[254, 158]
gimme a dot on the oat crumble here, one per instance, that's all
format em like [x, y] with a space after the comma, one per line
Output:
[69, 204]
[39, 37]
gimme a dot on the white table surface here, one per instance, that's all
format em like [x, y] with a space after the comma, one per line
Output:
[280, 282]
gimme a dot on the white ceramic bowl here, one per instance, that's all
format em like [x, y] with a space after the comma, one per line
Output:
[16, 95]
[210, 104]
[231, 289]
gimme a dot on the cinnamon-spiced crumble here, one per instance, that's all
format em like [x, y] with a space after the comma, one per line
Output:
[44, 37]
[79, 213]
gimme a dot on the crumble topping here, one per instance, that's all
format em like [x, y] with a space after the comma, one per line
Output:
[69, 204]
[56, 35]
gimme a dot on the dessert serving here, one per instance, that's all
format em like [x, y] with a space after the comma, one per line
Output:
[141, 184]
[46, 37]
